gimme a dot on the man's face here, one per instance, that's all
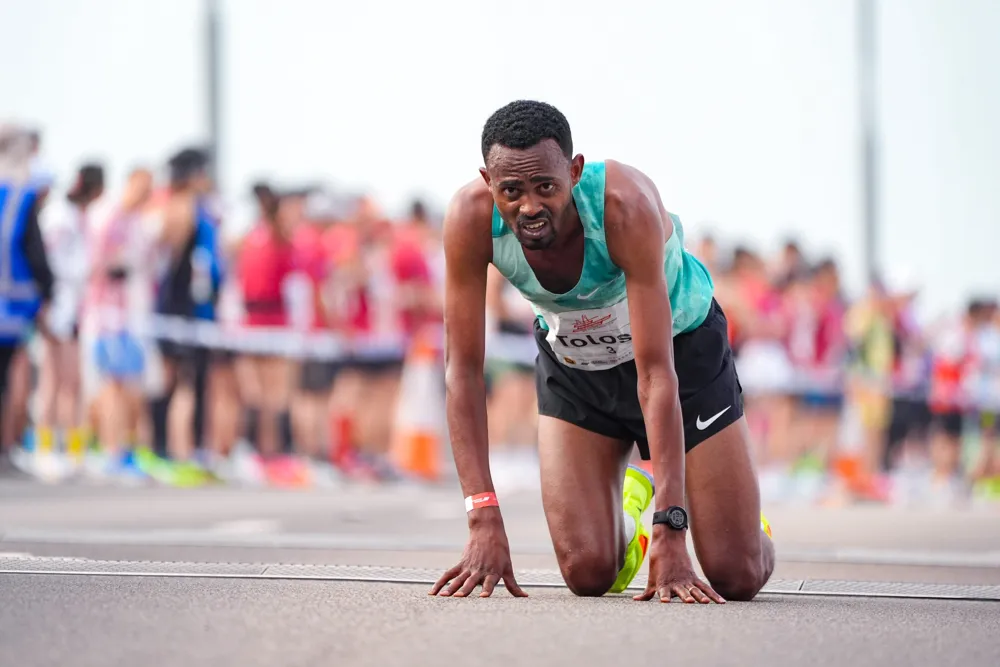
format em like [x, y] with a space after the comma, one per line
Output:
[533, 190]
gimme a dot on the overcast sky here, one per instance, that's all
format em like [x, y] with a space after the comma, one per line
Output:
[744, 112]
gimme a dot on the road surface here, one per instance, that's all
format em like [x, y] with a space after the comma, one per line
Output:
[112, 576]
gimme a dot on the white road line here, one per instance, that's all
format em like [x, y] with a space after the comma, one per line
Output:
[262, 534]
[246, 527]
[528, 578]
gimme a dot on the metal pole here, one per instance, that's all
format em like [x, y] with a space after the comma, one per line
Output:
[213, 80]
[867, 60]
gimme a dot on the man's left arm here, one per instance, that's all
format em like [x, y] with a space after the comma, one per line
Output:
[636, 240]
[637, 232]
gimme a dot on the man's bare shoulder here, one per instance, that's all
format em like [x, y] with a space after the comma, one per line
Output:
[468, 224]
[471, 205]
[631, 200]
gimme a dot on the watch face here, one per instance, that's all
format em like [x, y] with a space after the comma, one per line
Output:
[676, 517]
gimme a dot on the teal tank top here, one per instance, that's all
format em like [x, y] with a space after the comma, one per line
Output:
[588, 326]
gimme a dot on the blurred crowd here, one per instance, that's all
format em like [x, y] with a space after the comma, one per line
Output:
[860, 391]
[175, 334]
[177, 342]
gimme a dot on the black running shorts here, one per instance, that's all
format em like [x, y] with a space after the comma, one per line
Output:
[317, 376]
[607, 401]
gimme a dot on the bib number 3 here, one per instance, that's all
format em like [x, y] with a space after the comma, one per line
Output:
[592, 340]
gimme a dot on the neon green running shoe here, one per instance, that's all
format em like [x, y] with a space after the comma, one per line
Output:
[152, 465]
[637, 496]
[181, 474]
[187, 474]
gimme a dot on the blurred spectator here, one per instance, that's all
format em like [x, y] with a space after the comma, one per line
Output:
[187, 289]
[985, 389]
[953, 392]
[869, 327]
[265, 265]
[26, 282]
[119, 250]
[426, 234]
[67, 226]
[790, 263]
[386, 293]
[311, 404]
[910, 415]
[707, 252]
[817, 347]
[765, 370]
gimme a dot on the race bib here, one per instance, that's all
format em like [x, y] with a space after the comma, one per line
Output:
[591, 340]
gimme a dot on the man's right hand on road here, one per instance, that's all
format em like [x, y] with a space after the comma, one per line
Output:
[486, 561]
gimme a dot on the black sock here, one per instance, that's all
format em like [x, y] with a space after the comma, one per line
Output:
[252, 420]
[200, 386]
[158, 408]
[285, 431]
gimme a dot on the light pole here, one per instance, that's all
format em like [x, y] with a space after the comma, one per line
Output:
[213, 82]
[867, 62]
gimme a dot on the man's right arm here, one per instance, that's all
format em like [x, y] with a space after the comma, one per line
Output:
[468, 251]
[468, 247]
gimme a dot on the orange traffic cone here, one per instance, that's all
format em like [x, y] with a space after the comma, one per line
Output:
[418, 431]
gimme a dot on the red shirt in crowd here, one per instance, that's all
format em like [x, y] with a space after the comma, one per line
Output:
[310, 259]
[383, 280]
[266, 261]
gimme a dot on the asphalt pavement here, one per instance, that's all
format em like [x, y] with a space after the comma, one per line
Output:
[114, 621]
[175, 597]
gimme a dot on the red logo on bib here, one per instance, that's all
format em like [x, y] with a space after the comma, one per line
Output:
[589, 324]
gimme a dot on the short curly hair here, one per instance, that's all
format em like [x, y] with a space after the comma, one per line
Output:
[525, 123]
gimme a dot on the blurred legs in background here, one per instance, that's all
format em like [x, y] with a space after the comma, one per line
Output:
[60, 410]
[344, 406]
[226, 409]
[946, 445]
[7, 355]
[379, 391]
[987, 462]
[14, 397]
[816, 425]
[362, 409]
[906, 437]
[121, 361]
[513, 408]
[859, 453]
[310, 407]
[265, 384]
[177, 414]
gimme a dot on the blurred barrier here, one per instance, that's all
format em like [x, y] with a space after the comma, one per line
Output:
[418, 445]
[817, 383]
[313, 345]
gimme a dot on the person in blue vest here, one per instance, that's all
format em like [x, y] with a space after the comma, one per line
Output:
[632, 352]
[14, 404]
[187, 293]
[26, 281]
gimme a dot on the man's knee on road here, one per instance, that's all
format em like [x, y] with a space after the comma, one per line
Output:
[737, 577]
[590, 574]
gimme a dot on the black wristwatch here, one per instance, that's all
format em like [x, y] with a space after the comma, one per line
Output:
[676, 518]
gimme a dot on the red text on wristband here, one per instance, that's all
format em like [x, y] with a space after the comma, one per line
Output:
[479, 500]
